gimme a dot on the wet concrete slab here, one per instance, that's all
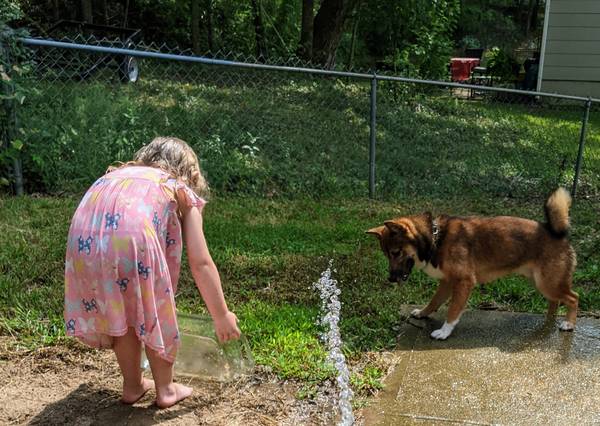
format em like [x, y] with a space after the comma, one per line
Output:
[496, 368]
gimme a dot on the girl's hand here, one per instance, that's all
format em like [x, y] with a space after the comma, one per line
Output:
[226, 327]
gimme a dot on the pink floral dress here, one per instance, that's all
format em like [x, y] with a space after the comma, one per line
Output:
[123, 259]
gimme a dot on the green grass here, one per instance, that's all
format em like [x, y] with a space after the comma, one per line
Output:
[288, 158]
[281, 134]
[269, 252]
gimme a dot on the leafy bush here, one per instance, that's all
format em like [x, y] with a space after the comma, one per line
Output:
[470, 42]
[10, 10]
[14, 68]
[409, 38]
[502, 65]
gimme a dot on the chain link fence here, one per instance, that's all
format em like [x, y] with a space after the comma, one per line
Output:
[281, 129]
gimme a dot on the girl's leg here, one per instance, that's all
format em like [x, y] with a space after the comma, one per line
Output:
[167, 392]
[128, 350]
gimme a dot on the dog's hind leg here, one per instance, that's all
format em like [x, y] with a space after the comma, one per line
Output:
[556, 291]
[440, 297]
[571, 300]
[460, 294]
[552, 308]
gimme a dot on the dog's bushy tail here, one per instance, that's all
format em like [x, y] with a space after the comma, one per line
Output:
[557, 212]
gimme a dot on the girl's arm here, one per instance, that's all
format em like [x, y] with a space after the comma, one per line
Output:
[206, 275]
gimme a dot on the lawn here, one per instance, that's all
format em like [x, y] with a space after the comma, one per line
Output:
[287, 158]
[269, 252]
[274, 134]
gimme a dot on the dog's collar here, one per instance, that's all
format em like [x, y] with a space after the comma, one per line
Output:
[435, 239]
[435, 232]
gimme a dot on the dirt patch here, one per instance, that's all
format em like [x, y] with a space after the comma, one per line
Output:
[76, 385]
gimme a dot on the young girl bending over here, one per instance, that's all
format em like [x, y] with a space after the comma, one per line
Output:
[123, 261]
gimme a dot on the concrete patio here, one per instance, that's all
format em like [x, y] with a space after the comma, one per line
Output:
[496, 368]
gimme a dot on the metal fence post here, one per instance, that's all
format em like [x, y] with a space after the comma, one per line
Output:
[11, 116]
[586, 116]
[373, 136]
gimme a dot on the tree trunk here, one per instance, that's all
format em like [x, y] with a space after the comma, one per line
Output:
[209, 26]
[55, 7]
[532, 15]
[126, 13]
[196, 27]
[353, 40]
[259, 30]
[306, 30]
[328, 29]
[104, 11]
[86, 11]
[72, 13]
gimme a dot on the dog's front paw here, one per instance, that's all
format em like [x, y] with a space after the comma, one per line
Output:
[443, 333]
[416, 313]
[566, 326]
[440, 334]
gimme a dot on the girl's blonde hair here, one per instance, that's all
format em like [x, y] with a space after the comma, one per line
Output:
[175, 157]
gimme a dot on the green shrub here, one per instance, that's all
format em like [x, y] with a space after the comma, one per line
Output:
[502, 65]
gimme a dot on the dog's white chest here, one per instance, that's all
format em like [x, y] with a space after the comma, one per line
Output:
[430, 270]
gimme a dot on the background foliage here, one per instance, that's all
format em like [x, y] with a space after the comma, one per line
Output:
[408, 36]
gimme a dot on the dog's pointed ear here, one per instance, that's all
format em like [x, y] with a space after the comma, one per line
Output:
[378, 232]
[428, 215]
[395, 227]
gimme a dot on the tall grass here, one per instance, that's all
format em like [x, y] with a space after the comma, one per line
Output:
[269, 134]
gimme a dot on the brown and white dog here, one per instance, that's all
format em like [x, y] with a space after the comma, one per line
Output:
[464, 251]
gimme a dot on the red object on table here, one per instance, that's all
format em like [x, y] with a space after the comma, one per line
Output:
[460, 68]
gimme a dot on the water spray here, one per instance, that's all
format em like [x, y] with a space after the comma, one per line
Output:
[330, 308]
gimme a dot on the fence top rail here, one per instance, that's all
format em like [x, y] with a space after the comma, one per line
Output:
[315, 71]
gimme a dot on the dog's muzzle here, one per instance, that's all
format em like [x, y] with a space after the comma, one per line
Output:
[402, 274]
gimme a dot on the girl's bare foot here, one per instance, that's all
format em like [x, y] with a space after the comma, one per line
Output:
[172, 394]
[133, 394]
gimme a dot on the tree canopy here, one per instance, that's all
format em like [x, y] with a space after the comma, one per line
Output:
[407, 36]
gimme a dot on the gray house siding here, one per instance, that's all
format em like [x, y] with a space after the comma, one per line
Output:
[571, 62]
